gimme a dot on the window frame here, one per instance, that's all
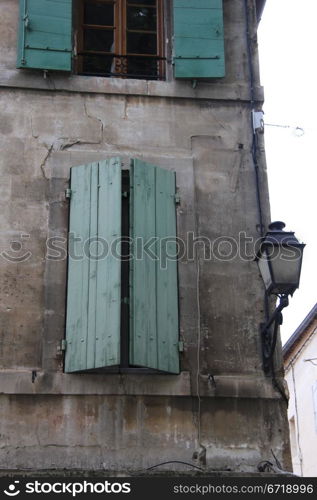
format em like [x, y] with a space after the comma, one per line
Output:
[120, 51]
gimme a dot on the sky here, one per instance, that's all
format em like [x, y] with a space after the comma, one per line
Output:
[287, 40]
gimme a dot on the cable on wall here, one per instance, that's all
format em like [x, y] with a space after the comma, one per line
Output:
[254, 149]
[254, 146]
[199, 454]
[202, 451]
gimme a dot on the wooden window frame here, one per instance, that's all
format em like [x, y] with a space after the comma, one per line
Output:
[120, 29]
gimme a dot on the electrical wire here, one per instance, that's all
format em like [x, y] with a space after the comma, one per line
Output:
[311, 361]
[174, 462]
[254, 147]
[198, 357]
[254, 150]
[298, 131]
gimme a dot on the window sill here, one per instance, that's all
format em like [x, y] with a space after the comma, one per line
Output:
[31, 79]
[49, 383]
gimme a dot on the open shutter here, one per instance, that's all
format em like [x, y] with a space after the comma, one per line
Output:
[45, 34]
[198, 39]
[154, 331]
[94, 273]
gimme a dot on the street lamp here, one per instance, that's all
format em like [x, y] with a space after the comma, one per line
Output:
[280, 260]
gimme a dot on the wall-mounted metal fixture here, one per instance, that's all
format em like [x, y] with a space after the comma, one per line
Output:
[280, 260]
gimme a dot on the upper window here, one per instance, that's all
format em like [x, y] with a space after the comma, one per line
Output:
[120, 38]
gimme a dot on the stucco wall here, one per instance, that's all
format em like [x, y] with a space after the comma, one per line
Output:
[123, 421]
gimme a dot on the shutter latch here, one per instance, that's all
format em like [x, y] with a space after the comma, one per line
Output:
[68, 193]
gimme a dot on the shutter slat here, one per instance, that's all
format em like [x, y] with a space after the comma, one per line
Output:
[94, 292]
[45, 34]
[109, 268]
[154, 300]
[78, 270]
[166, 287]
[91, 252]
[198, 39]
[143, 333]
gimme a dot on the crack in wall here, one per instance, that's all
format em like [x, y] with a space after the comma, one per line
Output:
[96, 119]
[43, 164]
[65, 143]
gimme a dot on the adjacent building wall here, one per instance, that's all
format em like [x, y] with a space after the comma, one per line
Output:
[301, 376]
[222, 414]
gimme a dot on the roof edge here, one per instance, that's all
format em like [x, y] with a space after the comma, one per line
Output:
[300, 330]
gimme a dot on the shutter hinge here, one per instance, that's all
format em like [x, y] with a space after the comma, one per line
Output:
[181, 346]
[61, 346]
[177, 199]
[68, 193]
[26, 21]
[125, 194]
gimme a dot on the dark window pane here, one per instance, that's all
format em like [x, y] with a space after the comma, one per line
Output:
[98, 13]
[97, 65]
[141, 18]
[101, 40]
[142, 67]
[142, 2]
[141, 43]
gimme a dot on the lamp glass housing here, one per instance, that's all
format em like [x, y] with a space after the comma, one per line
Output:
[280, 260]
[280, 267]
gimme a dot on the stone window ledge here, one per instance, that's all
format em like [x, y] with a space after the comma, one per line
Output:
[24, 79]
[48, 383]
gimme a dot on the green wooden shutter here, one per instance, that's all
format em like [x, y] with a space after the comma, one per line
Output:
[154, 331]
[45, 34]
[198, 39]
[94, 284]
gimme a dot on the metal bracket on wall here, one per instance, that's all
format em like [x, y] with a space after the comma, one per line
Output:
[268, 337]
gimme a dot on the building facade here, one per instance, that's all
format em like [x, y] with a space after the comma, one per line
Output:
[300, 362]
[134, 121]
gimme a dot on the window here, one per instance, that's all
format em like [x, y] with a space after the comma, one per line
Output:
[120, 38]
[122, 312]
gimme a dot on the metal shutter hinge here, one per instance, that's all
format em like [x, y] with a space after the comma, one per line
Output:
[181, 346]
[63, 345]
[68, 193]
[177, 198]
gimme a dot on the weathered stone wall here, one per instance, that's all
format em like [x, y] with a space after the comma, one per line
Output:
[120, 422]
